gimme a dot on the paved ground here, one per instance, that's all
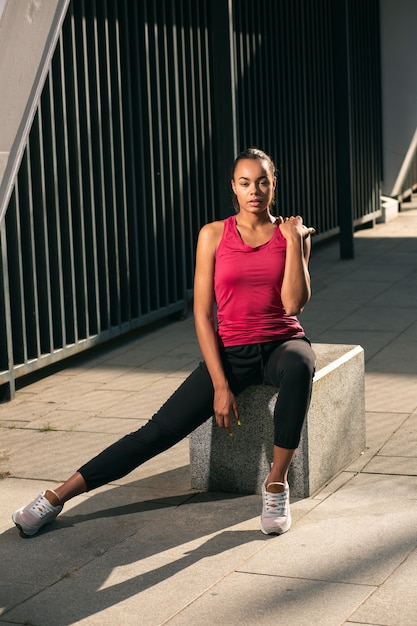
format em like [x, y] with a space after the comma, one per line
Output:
[147, 550]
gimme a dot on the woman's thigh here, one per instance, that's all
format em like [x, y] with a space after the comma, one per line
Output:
[293, 359]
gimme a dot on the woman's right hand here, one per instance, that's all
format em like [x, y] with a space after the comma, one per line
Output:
[225, 409]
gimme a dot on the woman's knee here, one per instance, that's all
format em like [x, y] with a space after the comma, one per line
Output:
[295, 363]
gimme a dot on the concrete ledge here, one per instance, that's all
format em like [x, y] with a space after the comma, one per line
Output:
[390, 209]
[333, 434]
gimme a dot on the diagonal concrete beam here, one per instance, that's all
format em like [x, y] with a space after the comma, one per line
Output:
[29, 31]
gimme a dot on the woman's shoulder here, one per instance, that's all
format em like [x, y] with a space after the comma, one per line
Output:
[212, 231]
[210, 237]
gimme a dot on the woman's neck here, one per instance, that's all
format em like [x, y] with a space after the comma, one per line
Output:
[254, 221]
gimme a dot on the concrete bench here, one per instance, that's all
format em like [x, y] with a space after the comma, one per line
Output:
[333, 434]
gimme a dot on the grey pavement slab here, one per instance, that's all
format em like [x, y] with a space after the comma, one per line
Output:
[156, 554]
[367, 318]
[246, 599]
[394, 603]
[403, 443]
[71, 421]
[380, 426]
[371, 341]
[390, 392]
[410, 332]
[392, 465]
[349, 537]
[402, 352]
[53, 455]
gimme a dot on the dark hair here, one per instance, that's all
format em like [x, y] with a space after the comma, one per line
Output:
[254, 154]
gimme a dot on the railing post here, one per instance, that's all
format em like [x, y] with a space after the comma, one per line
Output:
[224, 111]
[7, 384]
[342, 99]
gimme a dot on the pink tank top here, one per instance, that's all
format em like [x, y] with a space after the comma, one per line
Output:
[247, 285]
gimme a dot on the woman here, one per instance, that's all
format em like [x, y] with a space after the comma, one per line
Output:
[255, 268]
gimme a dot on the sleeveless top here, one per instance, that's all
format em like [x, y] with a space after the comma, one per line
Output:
[247, 286]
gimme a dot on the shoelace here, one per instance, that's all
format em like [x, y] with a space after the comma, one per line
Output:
[40, 508]
[276, 503]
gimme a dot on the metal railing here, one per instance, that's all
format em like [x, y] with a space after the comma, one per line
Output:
[115, 182]
[319, 111]
[143, 105]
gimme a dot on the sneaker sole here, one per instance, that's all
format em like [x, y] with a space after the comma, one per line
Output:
[273, 532]
[25, 532]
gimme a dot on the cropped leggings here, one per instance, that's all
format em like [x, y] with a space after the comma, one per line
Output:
[288, 365]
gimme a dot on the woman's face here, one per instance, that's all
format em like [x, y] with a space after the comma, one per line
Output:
[253, 185]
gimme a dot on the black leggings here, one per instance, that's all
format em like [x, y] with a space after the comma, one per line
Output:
[288, 365]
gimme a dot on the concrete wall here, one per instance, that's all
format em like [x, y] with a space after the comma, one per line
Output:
[399, 87]
[2, 5]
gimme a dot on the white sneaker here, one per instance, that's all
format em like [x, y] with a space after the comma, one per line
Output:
[276, 514]
[30, 518]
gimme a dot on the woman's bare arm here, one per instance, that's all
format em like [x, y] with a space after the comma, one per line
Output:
[224, 405]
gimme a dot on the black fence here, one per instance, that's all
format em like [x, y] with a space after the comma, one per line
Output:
[145, 105]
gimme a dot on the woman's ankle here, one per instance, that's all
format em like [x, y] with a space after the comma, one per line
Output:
[52, 497]
[278, 483]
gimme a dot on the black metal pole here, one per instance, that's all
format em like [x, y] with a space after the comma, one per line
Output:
[223, 103]
[342, 99]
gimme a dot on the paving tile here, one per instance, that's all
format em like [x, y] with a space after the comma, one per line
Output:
[131, 577]
[61, 419]
[410, 332]
[133, 380]
[371, 342]
[96, 400]
[320, 309]
[247, 599]
[67, 392]
[15, 439]
[362, 623]
[392, 465]
[397, 293]
[397, 269]
[333, 485]
[403, 442]
[398, 357]
[117, 426]
[88, 527]
[166, 364]
[348, 538]
[372, 318]
[394, 603]
[134, 356]
[390, 392]
[353, 292]
[145, 402]
[53, 455]
[102, 373]
[380, 426]
[172, 459]
[21, 411]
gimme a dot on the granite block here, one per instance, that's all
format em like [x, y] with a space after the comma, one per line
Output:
[333, 434]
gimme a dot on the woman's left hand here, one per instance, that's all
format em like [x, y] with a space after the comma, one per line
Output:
[293, 227]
